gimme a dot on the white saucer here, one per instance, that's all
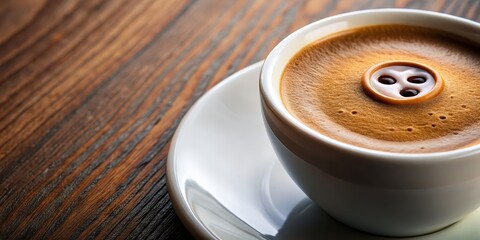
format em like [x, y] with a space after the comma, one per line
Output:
[225, 181]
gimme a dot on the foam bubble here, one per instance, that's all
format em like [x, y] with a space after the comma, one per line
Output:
[399, 86]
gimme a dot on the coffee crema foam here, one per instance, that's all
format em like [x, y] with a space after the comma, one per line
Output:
[321, 87]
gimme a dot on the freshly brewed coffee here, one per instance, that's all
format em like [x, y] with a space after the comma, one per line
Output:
[321, 86]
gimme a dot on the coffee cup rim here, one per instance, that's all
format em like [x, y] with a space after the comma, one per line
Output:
[277, 107]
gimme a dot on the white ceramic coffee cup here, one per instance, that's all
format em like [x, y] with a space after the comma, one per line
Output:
[386, 193]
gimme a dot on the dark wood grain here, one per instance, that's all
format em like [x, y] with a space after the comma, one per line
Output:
[91, 92]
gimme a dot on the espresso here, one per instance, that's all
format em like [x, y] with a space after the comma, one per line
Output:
[321, 87]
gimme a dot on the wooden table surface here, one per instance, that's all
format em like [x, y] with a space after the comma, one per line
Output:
[91, 92]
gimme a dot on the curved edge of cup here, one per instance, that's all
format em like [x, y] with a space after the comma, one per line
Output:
[274, 103]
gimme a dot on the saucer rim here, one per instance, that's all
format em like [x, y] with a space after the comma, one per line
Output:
[182, 209]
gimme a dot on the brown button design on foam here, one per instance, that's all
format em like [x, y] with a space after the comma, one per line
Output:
[402, 82]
